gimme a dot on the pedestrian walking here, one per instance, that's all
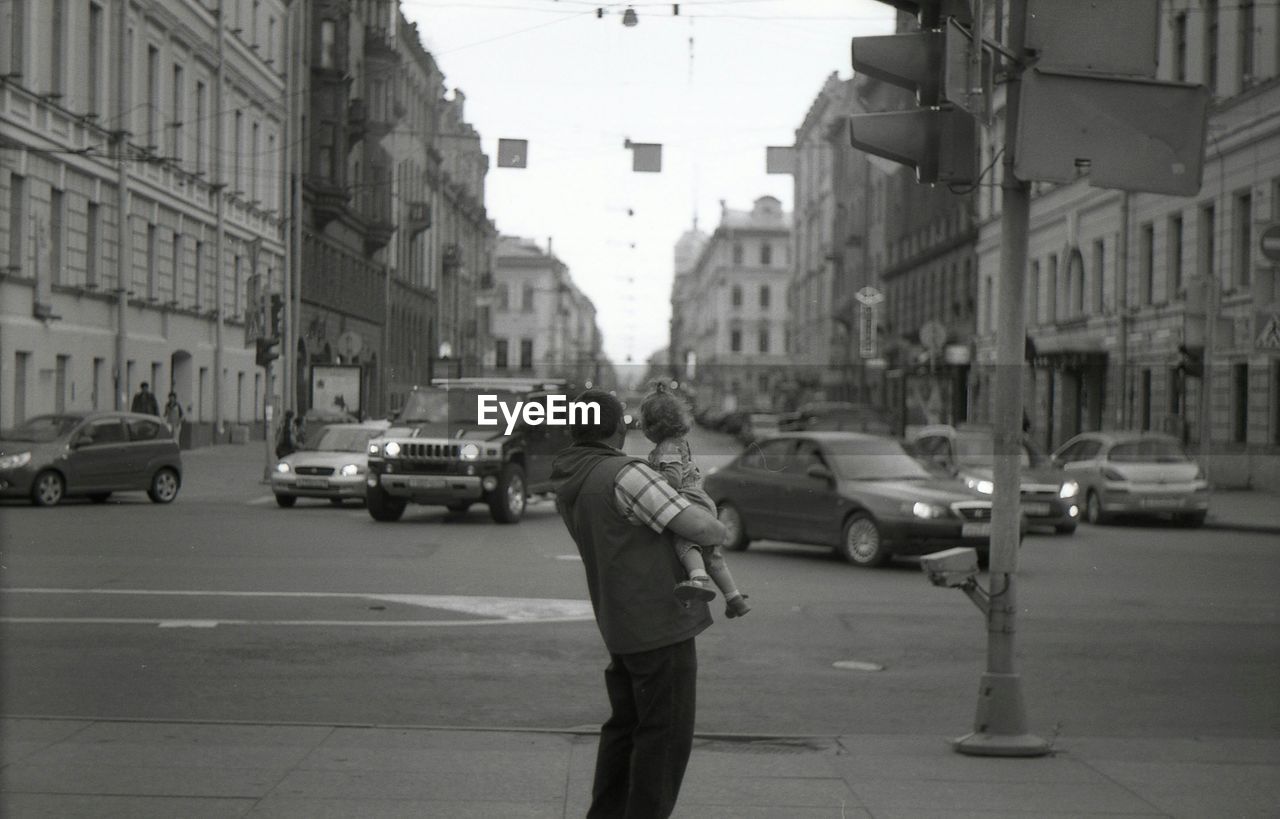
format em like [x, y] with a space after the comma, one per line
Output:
[664, 417]
[286, 436]
[173, 415]
[622, 515]
[144, 401]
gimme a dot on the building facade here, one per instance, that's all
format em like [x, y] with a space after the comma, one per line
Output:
[732, 312]
[140, 170]
[1157, 312]
[543, 325]
[680, 357]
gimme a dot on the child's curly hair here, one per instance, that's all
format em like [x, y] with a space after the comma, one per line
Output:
[663, 415]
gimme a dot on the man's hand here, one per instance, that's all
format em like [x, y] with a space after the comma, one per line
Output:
[700, 526]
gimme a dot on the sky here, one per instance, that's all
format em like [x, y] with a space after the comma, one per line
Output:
[715, 85]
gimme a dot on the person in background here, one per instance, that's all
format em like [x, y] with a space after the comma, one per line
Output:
[145, 401]
[286, 436]
[173, 414]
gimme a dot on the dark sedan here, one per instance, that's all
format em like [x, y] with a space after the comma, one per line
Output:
[93, 454]
[861, 494]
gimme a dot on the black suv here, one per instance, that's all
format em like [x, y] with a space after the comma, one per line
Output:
[437, 452]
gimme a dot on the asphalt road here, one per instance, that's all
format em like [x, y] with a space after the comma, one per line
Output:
[224, 607]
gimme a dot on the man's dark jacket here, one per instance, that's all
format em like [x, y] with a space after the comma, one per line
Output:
[145, 402]
[631, 570]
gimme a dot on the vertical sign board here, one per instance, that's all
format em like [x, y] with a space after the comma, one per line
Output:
[335, 388]
[867, 331]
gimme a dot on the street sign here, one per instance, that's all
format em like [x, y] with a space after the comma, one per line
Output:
[1136, 135]
[1269, 337]
[1075, 35]
[513, 153]
[869, 296]
[350, 344]
[1269, 242]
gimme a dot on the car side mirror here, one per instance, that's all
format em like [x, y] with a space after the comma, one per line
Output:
[820, 472]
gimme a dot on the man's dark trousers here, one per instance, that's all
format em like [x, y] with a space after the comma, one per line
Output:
[645, 745]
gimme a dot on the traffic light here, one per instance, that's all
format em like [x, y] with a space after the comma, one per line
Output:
[940, 137]
[277, 316]
[268, 351]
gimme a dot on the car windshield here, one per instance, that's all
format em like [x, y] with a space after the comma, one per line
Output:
[874, 460]
[42, 428]
[1150, 450]
[980, 450]
[337, 439]
[438, 406]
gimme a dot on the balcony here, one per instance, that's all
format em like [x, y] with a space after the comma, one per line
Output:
[329, 200]
[418, 218]
[375, 204]
[357, 119]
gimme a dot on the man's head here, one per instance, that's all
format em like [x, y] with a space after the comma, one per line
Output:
[612, 428]
[173, 396]
[144, 387]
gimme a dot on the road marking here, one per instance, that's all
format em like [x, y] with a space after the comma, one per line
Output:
[490, 610]
[262, 501]
[569, 557]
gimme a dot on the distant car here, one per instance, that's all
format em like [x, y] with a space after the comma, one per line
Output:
[837, 416]
[758, 425]
[89, 454]
[1050, 497]
[333, 466]
[732, 422]
[1135, 474]
[863, 495]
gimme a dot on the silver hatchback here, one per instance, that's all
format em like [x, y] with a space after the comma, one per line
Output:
[1135, 474]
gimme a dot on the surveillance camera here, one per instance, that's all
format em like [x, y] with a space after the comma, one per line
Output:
[951, 568]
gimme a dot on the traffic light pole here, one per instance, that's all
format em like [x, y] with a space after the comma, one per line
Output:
[1000, 726]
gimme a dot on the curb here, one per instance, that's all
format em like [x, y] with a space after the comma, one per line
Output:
[1232, 526]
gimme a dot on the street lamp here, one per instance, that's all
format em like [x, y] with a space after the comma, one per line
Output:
[629, 18]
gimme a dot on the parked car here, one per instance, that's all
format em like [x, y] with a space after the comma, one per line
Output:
[1050, 497]
[838, 416]
[861, 494]
[331, 466]
[758, 425]
[732, 422]
[89, 454]
[1135, 474]
[436, 451]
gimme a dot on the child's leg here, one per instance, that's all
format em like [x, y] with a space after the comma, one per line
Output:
[691, 556]
[719, 571]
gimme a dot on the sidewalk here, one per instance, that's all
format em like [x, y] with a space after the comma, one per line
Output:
[73, 768]
[1244, 510]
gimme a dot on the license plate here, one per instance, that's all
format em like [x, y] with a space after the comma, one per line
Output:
[1035, 508]
[313, 483]
[975, 530]
[426, 483]
[1161, 503]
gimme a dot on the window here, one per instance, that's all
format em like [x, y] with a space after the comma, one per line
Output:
[1246, 29]
[1208, 243]
[237, 272]
[17, 35]
[1211, 46]
[1275, 402]
[57, 238]
[737, 254]
[1174, 251]
[1052, 288]
[500, 353]
[526, 299]
[142, 429]
[175, 115]
[1146, 399]
[199, 127]
[764, 339]
[1075, 284]
[95, 68]
[526, 354]
[253, 163]
[1242, 276]
[1239, 402]
[93, 244]
[764, 295]
[328, 43]
[20, 361]
[1033, 294]
[1146, 263]
[17, 221]
[770, 456]
[504, 296]
[735, 295]
[766, 254]
[61, 363]
[175, 281]
[271, 39]
[1180, 47]
[199, 271]
[153, 96]
[95, 388]
[57, 45]
[151, 262]
[237, 138]
[1099, 276]
[106, 431]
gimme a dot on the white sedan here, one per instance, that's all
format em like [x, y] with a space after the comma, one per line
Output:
[333, 467]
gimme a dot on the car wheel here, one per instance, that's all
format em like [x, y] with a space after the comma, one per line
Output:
[506, 502]
[164, 486]
[459, 507]
[1065, 528]
[100, 497]
[731, 519]
[383, 507]
[286, 501]
[1192, 520]
[1093, 511]
[862, 544]
[48, 488]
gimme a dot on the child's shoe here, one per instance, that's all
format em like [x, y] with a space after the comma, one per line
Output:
[695, 588]
[736, 606]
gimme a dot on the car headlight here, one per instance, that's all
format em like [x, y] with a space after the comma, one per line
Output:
[927, 510]
[283, 467]
[348, 470]
[373, 449]
[470, 452]
[980, 485]
[391, 449]
[1069, 489]
[15, 460]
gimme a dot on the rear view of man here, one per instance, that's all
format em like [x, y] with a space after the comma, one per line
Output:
[621, 515]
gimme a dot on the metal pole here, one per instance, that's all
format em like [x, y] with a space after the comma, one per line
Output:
[285, 185]
[124, 243]
[293, 306]
[1000, 724]
[219, 230]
